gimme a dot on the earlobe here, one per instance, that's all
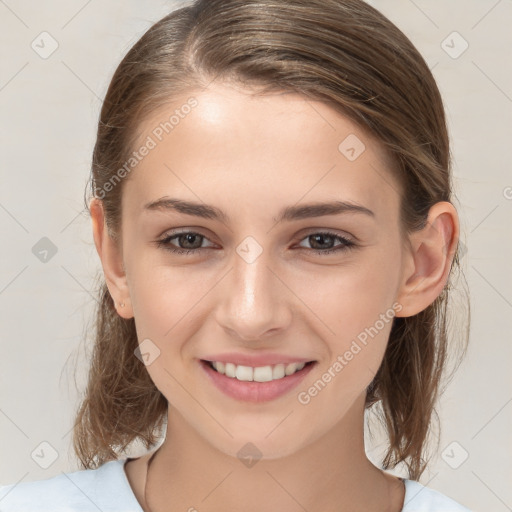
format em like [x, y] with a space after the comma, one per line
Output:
[428, 259]
[111, 260]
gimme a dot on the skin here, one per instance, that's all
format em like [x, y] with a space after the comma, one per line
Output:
[250, 156]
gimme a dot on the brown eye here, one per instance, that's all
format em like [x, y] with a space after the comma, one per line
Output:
[187, 242]
[190, 242]
[326, 240]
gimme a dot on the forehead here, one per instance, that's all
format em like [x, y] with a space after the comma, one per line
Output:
[225, 142]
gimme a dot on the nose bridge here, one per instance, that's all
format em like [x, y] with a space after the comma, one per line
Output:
[253, 299]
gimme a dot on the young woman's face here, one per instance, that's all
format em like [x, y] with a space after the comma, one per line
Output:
[248, 283]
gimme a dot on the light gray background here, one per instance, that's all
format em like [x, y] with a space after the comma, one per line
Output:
[49, 112]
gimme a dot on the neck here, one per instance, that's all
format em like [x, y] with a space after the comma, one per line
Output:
[330, 474]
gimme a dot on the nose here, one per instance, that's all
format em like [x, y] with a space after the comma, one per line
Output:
[254, 300]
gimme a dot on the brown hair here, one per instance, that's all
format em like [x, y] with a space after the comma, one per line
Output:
[344, 53]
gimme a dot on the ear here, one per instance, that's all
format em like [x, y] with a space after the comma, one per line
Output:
[428, 258]
[110, 254]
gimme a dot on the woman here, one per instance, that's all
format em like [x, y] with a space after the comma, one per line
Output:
[272, 210]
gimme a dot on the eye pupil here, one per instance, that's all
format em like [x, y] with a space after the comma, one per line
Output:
[322, 238]
[189, 238]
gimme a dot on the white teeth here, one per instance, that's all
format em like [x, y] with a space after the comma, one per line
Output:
[244, 373]
[263, 374]
[230, 370]
[258, 374]
[278, 371]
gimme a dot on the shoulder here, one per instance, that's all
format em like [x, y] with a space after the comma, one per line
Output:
[419, 498]
[106, 489]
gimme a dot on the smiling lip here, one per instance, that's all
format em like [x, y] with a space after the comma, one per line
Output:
[256, 392]
[255, 361]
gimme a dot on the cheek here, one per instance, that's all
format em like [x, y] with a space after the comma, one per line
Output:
[354, 303]
[357, 315]
[162, 293]
[351, 297]
[164, 300]
[169, 310]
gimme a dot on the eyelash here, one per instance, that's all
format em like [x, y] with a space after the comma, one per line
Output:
[344, 246]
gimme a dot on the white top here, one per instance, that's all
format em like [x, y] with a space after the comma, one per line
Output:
[107, 489]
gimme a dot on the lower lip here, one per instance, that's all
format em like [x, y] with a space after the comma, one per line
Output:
[255, 391]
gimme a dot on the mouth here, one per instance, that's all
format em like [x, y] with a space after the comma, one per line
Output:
[266, 373]
[258, 384]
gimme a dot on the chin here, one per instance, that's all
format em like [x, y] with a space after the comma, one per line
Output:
[250, 449]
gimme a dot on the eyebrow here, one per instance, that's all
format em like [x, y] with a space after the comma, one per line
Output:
[290, 213]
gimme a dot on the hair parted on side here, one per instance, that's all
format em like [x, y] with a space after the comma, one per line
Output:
[344, 53]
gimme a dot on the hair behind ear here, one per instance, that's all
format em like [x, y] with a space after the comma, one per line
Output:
[121, 402]
[412, 377]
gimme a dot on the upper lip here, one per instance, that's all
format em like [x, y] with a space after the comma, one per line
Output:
[256, 360]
